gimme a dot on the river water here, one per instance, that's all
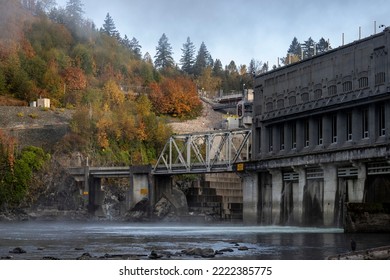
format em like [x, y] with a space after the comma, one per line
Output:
[71, 240]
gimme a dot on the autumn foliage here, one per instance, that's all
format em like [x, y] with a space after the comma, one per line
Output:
[176, 96]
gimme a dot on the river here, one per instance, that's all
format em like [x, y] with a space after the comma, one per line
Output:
[72, 239]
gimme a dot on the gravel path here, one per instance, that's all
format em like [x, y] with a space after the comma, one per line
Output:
[206, 122]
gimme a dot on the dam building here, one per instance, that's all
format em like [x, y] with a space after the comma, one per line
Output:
[321, 136]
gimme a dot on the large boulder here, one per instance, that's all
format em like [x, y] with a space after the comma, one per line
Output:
[140, 212]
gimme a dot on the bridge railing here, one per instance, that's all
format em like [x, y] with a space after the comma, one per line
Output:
[207, 152]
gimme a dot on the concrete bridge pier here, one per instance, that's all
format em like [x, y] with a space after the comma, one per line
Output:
[95, 195]
[141, 186]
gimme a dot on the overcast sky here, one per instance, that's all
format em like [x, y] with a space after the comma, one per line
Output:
[239, 30]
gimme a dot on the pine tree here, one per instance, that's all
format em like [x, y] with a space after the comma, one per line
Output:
[109, 26]
[203, 60]
[187, 60]
[74, 11]
[295, 48]
[126, 42]
[322, 46]
[309, 48]
[135, 48]
[218, 69]
[163, 57]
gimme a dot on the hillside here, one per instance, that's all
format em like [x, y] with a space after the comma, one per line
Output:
[16, 119]
[35, 126]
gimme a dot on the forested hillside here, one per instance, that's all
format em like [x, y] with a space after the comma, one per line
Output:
[121, 98]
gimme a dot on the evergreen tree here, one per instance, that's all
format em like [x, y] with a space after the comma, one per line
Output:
[322, 46]
[44, 6]
[309, 48]
[74, 11]
[187, 60]
[218, 69]
[163, 57]
[126, 42]
[109, 26]
[135, 48]
[295, 48]
[203, 60]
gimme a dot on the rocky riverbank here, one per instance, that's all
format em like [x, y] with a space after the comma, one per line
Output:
[189, 253]
[380, 253]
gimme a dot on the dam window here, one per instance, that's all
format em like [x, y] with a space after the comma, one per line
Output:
[332, 90]
[320, 132]
[349, 126]
[293, 135]
[281, 137]
[280, 104]
[363, 82]
[380, 78]
[318, 94]
[292, 100]
[365, 124]
[270, 139]
[347, 86]
[334, 129]
[269, 106]
[258, 136]
[306, 130]
[305, 97]
[382, 120]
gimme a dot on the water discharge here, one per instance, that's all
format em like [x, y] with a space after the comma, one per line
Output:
[70, 240]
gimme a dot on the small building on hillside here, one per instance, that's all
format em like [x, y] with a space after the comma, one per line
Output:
[43, 102]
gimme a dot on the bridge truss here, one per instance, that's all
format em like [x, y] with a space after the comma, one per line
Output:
[207, 152]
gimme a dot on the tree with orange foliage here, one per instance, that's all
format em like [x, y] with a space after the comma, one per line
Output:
[177, 97]
[75, 78]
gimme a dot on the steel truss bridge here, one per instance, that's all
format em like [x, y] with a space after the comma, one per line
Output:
[208, 152]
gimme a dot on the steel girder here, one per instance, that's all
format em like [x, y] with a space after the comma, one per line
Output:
[206, 152]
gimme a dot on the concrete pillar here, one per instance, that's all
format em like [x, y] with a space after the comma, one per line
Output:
[95, 195]
[277, 186]
[356, 125]
[387, 119]
[250, 189]
[373, 122]
[298, 196]
[140, 185]
[356, 192]
[327, 130]
[86, 185]
[139, 189]
[341, 128]
[330, 188]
